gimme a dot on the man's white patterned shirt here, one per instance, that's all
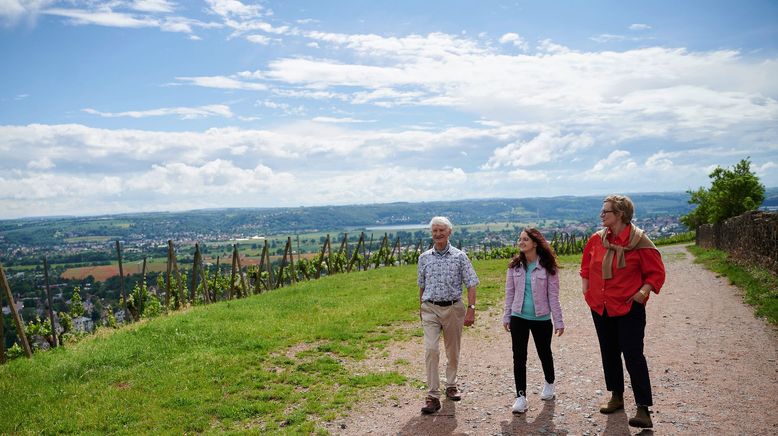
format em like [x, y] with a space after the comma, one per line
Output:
[442, 274]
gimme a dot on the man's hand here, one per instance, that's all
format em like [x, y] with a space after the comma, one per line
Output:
[469, 317]
[506, 326]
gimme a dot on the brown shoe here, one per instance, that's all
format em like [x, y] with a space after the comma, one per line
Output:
[642, 418]
[432, 405]
[452, 394]
[615, 403]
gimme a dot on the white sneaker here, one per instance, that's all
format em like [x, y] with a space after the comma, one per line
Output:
[520, 406]
[548, 391]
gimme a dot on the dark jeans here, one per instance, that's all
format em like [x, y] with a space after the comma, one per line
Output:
[541, 333]
[624, 335]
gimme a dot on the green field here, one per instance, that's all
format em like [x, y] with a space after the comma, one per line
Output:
[89, 239]
[273, 362]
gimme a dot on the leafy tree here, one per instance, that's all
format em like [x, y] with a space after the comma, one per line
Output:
[76, 304]
[732, 192]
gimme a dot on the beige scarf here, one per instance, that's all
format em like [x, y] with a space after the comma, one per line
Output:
[637, 240]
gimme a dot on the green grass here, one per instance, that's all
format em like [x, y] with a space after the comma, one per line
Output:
[90, 239]
[759, 285]
[275, 362]
[676, 239]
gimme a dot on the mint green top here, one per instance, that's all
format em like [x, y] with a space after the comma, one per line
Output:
[528, 307]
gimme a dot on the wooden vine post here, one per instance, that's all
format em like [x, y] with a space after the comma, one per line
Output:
[172, 261]
[241, 276]
[369, 252]
[293, 272]
[127, 316]
[142, 287]
[17, 319]
[355, 255]
[168, 276]
[195, 262]
[324, 247]
[344, 251]
[216, 276]
[233, 272]
[203, 277]
[259, 283]
[2, 335]
[398, 249]
[384, 250]
[51, 305]
[269, 266]
[285, 266]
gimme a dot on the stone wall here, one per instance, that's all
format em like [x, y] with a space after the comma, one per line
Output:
[750, 238]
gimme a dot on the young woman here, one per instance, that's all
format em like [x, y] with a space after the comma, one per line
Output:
[531, 299]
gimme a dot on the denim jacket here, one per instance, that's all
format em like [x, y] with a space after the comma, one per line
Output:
[545, 294]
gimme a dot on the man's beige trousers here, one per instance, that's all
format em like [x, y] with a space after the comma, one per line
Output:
[449, 320]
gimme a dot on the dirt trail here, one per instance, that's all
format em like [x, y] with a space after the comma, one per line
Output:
[714, 370]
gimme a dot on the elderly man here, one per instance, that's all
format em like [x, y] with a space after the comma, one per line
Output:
[443, 270]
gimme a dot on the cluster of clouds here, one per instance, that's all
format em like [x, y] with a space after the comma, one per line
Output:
[544, 117]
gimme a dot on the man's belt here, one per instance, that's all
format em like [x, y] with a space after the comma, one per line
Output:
[443, 303]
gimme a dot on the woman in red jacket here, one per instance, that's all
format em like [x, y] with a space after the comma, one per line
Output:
[619, 269]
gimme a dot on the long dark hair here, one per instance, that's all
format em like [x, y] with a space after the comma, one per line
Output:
[546, 255]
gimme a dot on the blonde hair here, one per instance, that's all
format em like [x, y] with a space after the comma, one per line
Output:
[623, 205]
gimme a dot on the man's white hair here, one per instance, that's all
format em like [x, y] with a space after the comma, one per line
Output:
[441, 220]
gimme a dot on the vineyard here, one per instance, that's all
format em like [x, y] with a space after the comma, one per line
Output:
[205, 283]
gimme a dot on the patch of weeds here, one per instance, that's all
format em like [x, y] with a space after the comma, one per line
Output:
[323, 365]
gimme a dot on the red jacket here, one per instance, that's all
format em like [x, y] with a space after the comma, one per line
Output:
[643, 266]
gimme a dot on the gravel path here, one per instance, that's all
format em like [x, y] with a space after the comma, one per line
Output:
[713, 370]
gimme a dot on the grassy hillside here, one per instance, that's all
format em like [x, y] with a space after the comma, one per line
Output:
[273, 362]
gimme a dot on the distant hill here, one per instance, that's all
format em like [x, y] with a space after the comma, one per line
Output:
[264, 221]
[272, 221]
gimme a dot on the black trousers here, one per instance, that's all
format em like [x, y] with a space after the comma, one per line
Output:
[541, 333]
[624, 335]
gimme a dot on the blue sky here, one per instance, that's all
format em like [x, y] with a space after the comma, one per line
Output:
[149, 105]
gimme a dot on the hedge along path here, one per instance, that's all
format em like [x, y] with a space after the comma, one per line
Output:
[713, 366]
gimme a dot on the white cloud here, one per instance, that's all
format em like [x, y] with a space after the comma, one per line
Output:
[282, 107]
[607, 37]
[639, 26]
[765, 169]
[258, 39]
[464, 109]
[185, 113]
[40, 186]
[217, 177]
[546, 146]
[222, 82]
[105, 17]
[234, 8]
[617, 166]
[152, 5]
[13, 11]
[434, 46]
[122, 14]
[44, 163]
[515, 40]
[340, 120]
[549, 46]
